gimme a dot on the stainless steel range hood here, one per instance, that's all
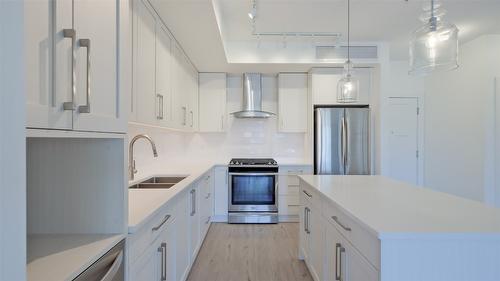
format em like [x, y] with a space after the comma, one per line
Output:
[252, 98]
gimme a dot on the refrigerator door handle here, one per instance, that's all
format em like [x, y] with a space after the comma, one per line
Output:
[346, 151]
[343, 141]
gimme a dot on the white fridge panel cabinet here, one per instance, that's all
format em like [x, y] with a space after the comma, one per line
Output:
[98, 102]
[324, 85]
[292, 102]
[144, 64]
[221, 194]
[212, 102]
[48, 65]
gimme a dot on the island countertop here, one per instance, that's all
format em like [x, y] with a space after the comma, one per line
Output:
[393, 209]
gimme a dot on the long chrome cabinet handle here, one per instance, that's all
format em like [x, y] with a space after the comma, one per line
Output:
[71, 33]
[306, 193]
[193, 202]
[86, 44]
[163, 250]
[305, 219]
[114, 268]
[159, 116]
[336, 219]
[346, 154]
[165, 219]
[338, 261]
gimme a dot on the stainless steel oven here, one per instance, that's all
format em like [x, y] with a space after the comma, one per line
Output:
[253, 191]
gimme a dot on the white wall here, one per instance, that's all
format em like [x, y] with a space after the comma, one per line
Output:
[12, 144]
[244, 138]
[459, 121]
[458, 113]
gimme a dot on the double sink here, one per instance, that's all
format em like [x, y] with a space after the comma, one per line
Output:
[158, 183]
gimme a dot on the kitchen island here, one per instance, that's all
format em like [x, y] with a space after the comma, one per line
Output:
[373, 228]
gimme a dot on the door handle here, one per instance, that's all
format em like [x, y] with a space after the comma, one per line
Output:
[163, 250]
[193, 202]
[306, 193]
[165, 219]
[86, 108]
[336, 219]
[71, 33]
[346, 154]
[339, 250]
[160, 107]
[184, 122]
[343, 140]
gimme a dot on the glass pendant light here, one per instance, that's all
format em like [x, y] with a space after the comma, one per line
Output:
[434, 45]
[348, 86]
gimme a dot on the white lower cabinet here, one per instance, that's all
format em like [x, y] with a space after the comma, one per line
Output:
[167, 246]
[157, 262]
[329, 247]
[194, 226]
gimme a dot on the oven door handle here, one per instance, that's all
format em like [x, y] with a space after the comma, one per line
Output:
[253, 174]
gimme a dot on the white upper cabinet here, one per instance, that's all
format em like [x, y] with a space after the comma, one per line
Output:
[73, 64]
[292, 100]
[97, 69]
[163, 76]
[212, 102]
[48, 64]
[165, 90]
[144, 93]
[324, 85]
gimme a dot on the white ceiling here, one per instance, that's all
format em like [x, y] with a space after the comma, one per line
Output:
[195, 25]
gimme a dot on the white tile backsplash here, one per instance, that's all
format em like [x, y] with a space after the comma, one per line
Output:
[244, 137]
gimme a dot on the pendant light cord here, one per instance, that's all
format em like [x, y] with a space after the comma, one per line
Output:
[349, 30]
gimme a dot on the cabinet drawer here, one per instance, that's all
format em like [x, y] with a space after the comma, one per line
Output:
[288, 189]
[288, 204]
[366, 243]
[144, 237]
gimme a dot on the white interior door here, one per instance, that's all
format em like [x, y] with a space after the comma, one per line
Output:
[403, 139]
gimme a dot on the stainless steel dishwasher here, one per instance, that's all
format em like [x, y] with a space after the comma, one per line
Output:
[109, 267]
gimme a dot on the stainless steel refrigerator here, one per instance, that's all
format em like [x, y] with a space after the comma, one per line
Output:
[342, 140]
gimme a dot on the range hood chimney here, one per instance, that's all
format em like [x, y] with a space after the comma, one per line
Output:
[252, 98]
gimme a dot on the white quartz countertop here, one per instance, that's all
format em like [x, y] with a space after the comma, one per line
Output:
[393, 209]
[65, 256]
[144, 204]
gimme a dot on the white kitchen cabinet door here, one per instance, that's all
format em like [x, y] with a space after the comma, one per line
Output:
[182, 236]
[343, 261]
[324, 85]
[292, 102]
[194, 226]
[48, 64]
[193, 106]
[316, 242]
[212, 102]
[163, 77]
[221, 194]
[179, 89]
[144, 64]
[148, 266]
[98, 102]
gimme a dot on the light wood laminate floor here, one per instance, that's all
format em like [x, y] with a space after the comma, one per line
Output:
[250, 252]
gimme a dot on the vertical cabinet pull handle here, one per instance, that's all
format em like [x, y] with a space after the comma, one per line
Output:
[86, 108]
[184, 122]
[163, 251]
[339, 250]
[307, 211]
[160, 107]
[71, 33]
[343, 140]
[193, 202]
